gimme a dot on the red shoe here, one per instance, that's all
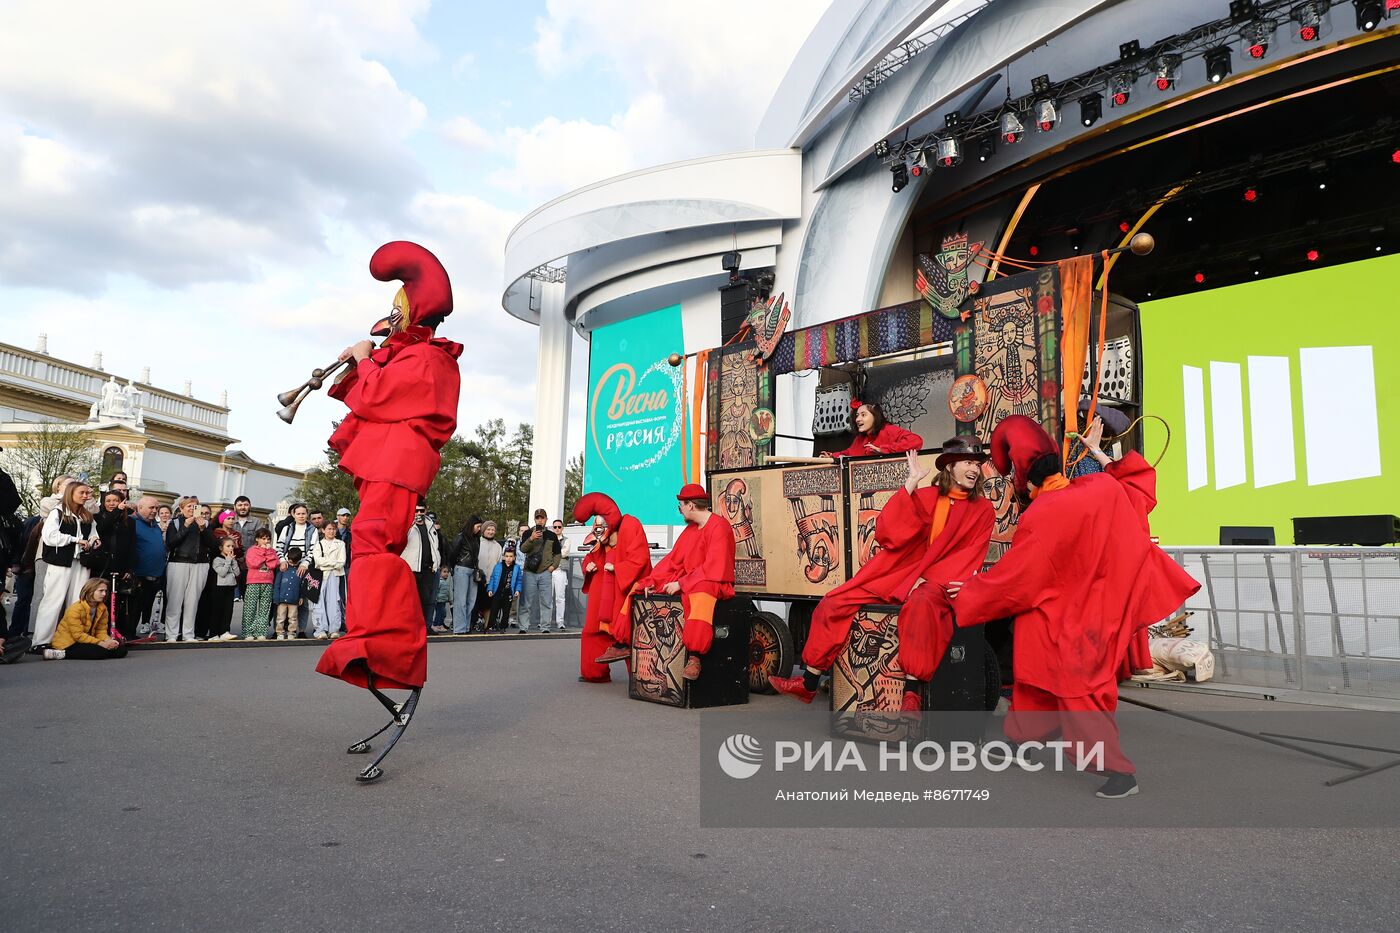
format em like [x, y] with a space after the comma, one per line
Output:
[793, 687]
[912, 703]
[615, 653]
[692, 668]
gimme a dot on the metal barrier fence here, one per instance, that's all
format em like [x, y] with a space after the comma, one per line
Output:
[1325, 620]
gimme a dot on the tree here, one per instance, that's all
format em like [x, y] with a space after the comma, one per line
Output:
[36, 458]
[573, 483]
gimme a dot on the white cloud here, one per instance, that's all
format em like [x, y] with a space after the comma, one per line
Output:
[465, 134]
[176, 143]
[694, 82]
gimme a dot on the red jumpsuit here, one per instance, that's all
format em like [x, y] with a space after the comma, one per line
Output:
[906, 554]
[1081, 578]
[702, 562]
[605, 622]
[891, 439]
[403, 408]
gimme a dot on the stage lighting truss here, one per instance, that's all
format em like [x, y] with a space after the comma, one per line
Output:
[949, 152]
[1012, 129]
[1168, 68]
[1090, 108]
[1251, 23]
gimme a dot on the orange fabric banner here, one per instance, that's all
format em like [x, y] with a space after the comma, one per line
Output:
[697, 415]
[1077, 286]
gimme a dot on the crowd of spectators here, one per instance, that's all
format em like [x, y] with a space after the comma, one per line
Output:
[94, 572]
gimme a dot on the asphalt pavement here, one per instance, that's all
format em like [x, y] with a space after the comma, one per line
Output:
[209, 789]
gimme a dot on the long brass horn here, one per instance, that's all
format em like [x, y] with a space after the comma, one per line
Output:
[291, 399]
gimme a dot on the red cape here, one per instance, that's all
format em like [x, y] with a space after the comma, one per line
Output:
[400, 414]
[701, 561]
[1081, 577]
[891, 439]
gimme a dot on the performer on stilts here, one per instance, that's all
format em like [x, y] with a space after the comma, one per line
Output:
[700, 568]
[619, 558]
[927, 537]
[1080, 578]
[402, 397]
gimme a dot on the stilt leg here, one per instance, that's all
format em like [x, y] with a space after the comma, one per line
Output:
[402, 718]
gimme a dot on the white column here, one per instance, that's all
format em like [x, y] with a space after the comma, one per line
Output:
[551, 404]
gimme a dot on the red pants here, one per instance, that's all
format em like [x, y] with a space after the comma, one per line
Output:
[384, 630]
[1037, 715]
[593, 643]
[831, 629]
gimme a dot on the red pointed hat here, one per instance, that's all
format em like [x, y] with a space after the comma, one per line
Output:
[596, 503]
[424, 279]
[692, 492]
[1018, 442]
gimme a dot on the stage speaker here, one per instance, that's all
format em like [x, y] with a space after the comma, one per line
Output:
[659, 655]
[1363, 530]
[1254, 535]
[867, 685]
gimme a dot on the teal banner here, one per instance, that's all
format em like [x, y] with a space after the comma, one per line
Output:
[636, 414]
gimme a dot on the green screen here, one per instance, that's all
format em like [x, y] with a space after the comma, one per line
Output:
[633, 418]
[1321, 323]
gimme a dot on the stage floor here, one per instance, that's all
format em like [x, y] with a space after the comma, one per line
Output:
[210, 790]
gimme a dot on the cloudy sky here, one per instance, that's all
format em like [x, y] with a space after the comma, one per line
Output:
[197, 187]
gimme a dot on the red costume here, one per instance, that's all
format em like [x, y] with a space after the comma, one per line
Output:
[908, 552]
[627, 550]
[1081, 577]
[403, 408]
[702, 562]
[890, 439]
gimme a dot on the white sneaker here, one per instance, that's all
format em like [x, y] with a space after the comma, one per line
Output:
[227, 636]
[319, 635]
[253, 638]
[54, 654]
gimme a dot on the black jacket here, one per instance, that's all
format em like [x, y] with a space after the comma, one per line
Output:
[466, 547]
[118, 542]
[188, 543]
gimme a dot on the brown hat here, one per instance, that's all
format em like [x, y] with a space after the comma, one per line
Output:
[960, 448]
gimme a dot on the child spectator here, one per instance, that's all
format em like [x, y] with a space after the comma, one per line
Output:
[444, 597]
[257, 596]
[505, 584]
[328, 557]
[83, 633]
[286, 593]
[221, 593]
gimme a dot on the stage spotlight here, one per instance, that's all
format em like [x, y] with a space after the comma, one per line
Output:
[882, 148]
[1308, 16]
[1121, 87]
[1124, 226]
[1034, 250]
[987, 147]
[1012, 129]
[1251, 195]
[1090, 108]
[1313, 255]
[1369, 14]
[1256, 36]
[1168, 70]
[920, 163]
[949, 151]
[900, 173]
[1200, 277]
[1242, 11]
[1046, 115]
[1217, 64]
